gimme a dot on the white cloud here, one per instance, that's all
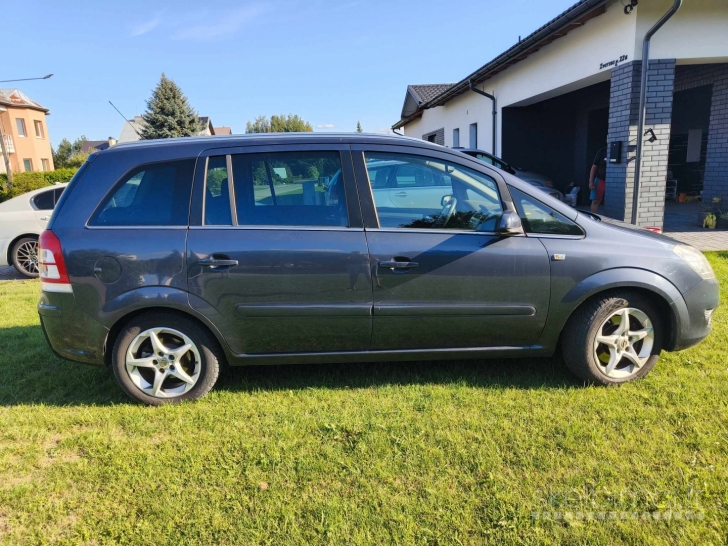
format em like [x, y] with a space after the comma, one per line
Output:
[146, 26]
[325, 126]
[226, 25]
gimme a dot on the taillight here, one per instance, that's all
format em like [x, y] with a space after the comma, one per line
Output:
[53, 274]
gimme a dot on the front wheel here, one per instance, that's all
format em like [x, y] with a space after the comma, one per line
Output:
[613, 339]
[164, 358]
[24, 256]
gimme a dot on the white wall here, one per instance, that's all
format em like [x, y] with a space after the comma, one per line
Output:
[697, 33]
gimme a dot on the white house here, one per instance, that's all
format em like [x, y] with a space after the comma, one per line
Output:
[573, 86]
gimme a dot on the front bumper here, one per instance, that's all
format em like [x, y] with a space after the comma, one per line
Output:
[695, 314]
[70, 332]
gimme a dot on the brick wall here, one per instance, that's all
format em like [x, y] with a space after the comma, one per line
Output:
[623, 120]
[439, 136]
[715, 181]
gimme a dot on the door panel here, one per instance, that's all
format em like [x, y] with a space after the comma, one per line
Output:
[467, 290]
[292, 291]
[446, 280]
[281, 281]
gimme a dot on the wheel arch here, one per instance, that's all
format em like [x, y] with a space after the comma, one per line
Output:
[656, 288]
[120, 311]
[11, 244]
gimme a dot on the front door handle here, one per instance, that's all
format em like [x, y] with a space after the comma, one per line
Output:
[398, 265]
[217, 262]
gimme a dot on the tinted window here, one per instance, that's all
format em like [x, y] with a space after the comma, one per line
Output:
[217, 193]
[430, 193]
[289, 189]
[538, 218]
[57, 194]
[45, 200]
[157, 194]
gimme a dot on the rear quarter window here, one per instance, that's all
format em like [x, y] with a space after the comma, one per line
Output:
[155, 194]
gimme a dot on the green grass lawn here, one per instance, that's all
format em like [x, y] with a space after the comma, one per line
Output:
[416, 453]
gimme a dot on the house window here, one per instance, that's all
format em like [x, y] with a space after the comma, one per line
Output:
[474, 136]
[20, 122]
[456, 138]
[38, 129]
[45, 164]
[28, 165]
[431, 138]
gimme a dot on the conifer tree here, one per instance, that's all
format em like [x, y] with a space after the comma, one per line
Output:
[169, 114]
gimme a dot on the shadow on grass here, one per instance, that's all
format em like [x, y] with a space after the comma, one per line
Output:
[31, 374]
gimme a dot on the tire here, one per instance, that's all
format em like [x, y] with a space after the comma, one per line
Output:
[24, 256]
[162, 371]
[590, 360]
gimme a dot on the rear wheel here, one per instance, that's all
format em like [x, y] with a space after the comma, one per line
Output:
[164, 358]
[613, 339]
[24, 256]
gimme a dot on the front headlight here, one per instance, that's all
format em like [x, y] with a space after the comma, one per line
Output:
[695, 259]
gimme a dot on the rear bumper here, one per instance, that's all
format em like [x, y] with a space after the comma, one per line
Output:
[695, 313]
[70, 332]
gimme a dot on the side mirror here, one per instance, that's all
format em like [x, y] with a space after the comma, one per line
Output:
[510, 224]
[445, 200]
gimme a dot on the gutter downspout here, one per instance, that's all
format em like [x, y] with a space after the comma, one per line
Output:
[643, 100]
[495, 110]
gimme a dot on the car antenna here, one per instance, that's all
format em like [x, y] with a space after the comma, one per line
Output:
[123, 116]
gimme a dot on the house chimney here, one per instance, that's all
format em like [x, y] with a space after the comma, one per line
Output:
[112, 142]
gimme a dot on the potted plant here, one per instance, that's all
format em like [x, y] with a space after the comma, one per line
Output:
[708, 218]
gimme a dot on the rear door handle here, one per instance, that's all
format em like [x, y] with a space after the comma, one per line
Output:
[44, 218]
[217, 262]
[398, 265]
[401, 194]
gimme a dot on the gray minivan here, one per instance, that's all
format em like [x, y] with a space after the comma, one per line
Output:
[166, 260]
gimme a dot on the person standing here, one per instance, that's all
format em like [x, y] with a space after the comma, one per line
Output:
[597, 179]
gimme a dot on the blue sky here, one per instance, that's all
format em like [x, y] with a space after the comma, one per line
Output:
[332, 62]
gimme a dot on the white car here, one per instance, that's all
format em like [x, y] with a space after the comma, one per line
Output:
[22, 219]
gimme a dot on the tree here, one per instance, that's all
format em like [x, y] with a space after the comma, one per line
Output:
[63, 154]
[169, 114]
[260, 125]
[358, 128]
[291, 123]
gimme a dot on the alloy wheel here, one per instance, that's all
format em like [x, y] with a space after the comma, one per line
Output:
[623, 343]
[163, 362]
[27, 257]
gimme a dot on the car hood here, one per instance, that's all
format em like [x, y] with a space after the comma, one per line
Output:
[630, 228]
[530, 176]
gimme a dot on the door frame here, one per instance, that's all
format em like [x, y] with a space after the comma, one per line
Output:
[366, 197]
[353, 208]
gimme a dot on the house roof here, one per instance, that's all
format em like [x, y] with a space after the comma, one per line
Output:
[132, 126]
[574, 17]
[427, 92]
[94, 145]
[224, 130]
[15, 97]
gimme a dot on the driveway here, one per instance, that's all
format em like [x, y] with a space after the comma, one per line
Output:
[10, 274]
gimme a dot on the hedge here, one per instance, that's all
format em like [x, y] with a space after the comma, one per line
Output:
[25, 182]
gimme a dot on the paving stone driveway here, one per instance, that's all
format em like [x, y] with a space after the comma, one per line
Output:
[10, 274]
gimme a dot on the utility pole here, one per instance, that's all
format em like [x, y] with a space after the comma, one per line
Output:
[6, 158]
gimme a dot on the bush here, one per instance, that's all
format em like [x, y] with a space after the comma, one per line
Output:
[25, 182]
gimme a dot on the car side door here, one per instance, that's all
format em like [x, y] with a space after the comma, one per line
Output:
[414, 187]
[277, 260]
[43, 204]
[448, 280]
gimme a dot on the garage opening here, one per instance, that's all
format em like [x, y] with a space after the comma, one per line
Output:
[559, 137]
